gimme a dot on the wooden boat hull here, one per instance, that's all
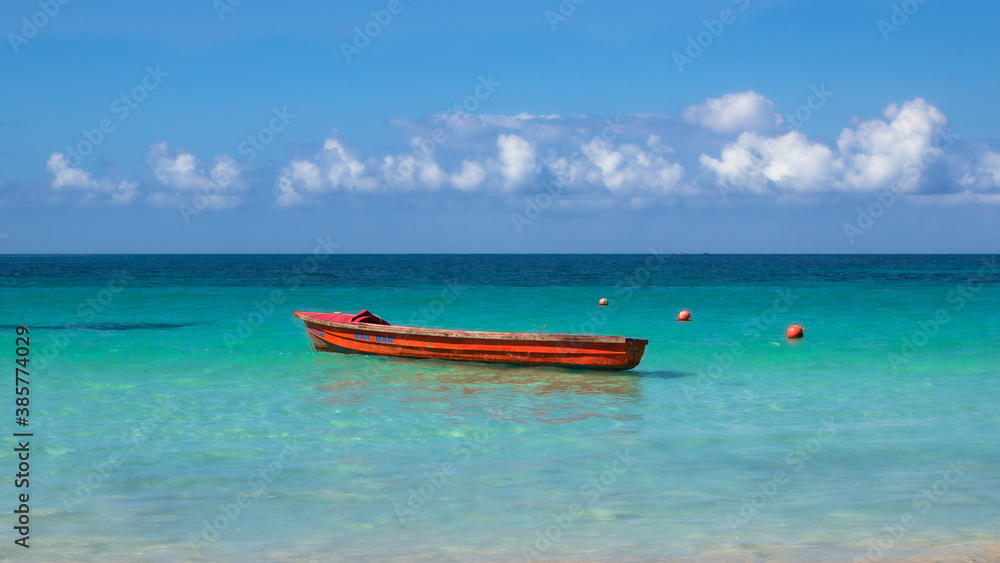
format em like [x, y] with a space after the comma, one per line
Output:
[585, 352]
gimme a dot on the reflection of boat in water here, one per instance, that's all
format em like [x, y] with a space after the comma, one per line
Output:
[471, 377]
[366, 333]
[549, 395]
[364, 375]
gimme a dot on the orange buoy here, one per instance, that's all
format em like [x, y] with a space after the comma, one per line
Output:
[684, 315]
[603, 302]
[795, 331]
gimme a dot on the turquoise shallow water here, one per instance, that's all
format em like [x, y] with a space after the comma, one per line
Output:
[180, 413]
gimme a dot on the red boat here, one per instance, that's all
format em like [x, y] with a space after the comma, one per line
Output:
[366, 333]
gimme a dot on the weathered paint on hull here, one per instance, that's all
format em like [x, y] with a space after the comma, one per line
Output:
[588, 352]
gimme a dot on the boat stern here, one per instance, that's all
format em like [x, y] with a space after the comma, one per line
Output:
[634, 348]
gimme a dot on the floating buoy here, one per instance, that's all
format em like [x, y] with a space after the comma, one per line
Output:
[795, 331]
[603, 302]
[684, 315]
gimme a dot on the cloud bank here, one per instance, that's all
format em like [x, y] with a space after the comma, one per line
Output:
[734, 145]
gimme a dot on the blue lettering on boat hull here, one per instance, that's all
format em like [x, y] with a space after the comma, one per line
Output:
[368, 337]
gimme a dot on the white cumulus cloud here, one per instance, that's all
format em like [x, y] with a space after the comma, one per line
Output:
[735, 113]
[517, 159]
[911, 150]
[179, 171]
[878, 153]
[334, 168]
[470, 177]
[91, 190]
[628, 168]
[789, 162]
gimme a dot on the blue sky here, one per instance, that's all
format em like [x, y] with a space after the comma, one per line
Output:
[716, 126]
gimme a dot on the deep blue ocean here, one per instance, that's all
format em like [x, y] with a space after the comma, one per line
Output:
[179, 412]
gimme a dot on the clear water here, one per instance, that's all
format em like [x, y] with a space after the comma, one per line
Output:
[180, 412]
